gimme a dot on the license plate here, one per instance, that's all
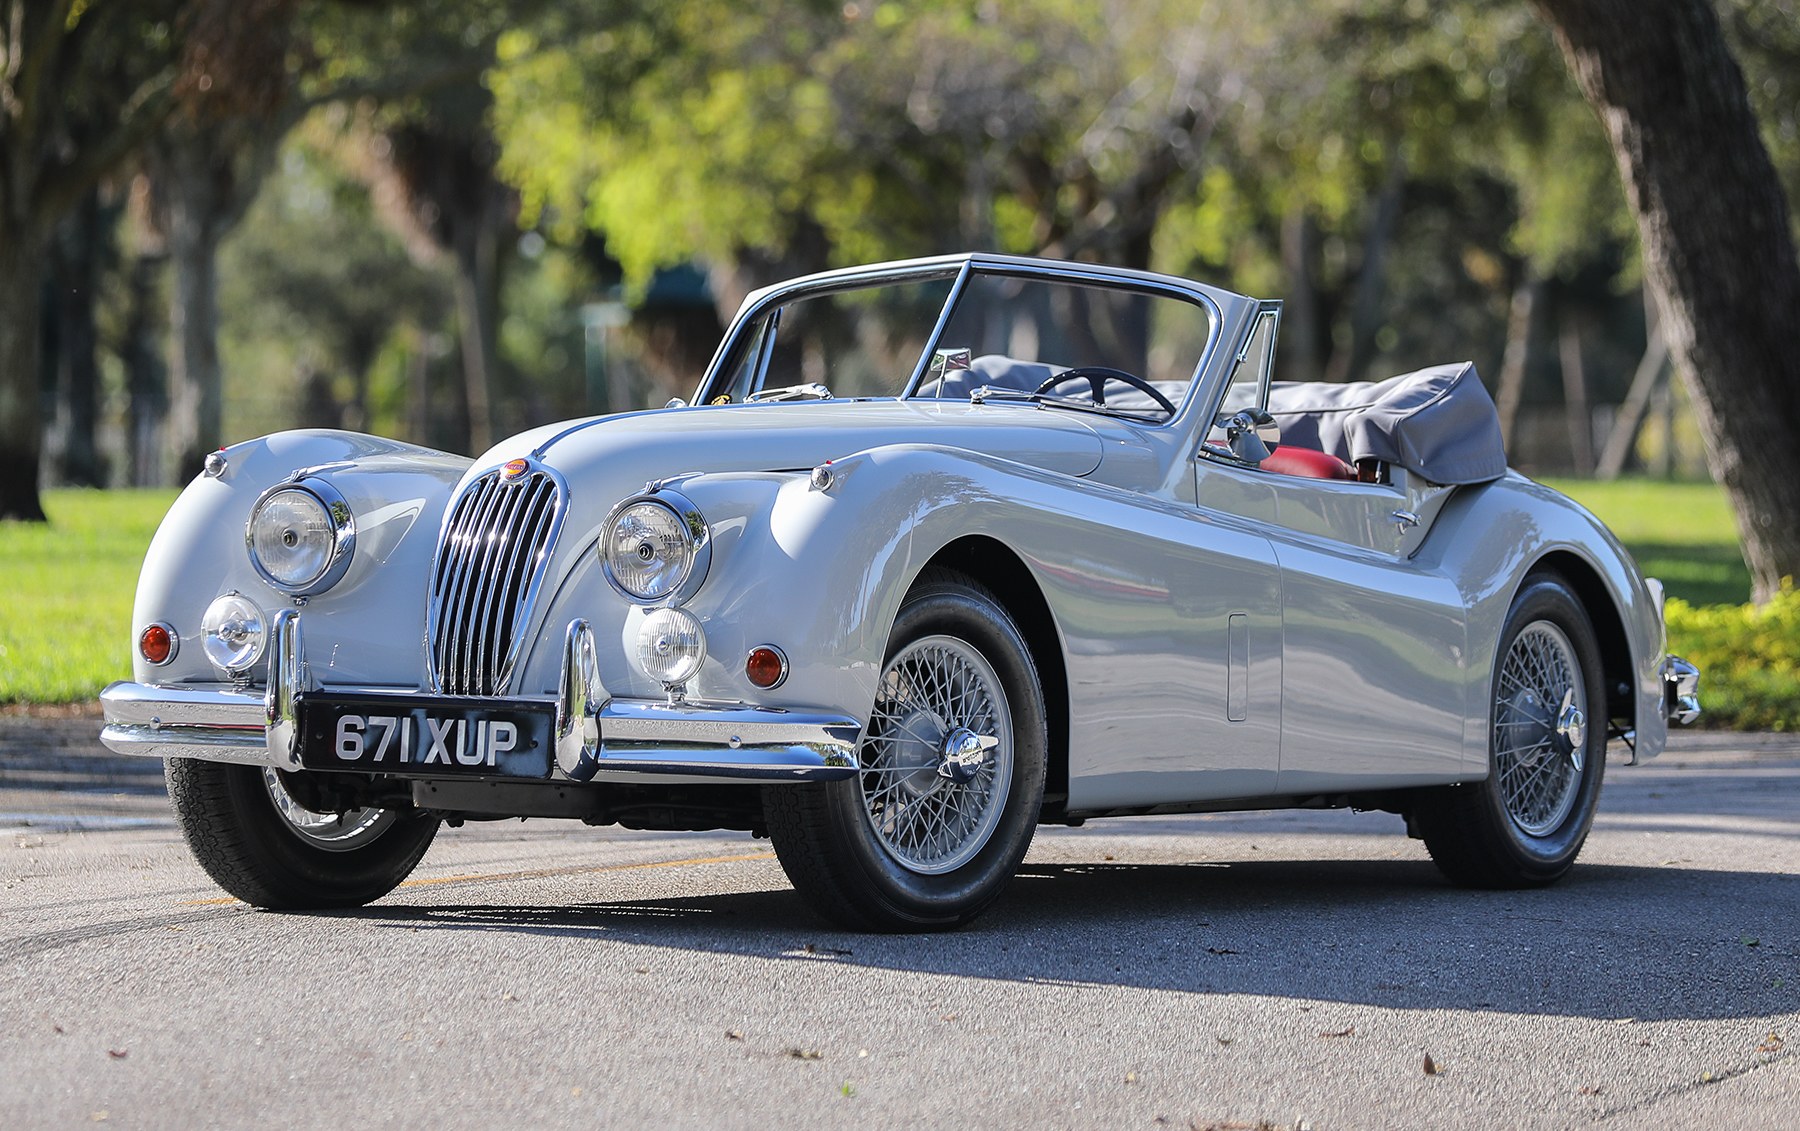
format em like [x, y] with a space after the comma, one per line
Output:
[421, 736]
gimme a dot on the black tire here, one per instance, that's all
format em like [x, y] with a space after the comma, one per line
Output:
[229, 816]
[1525, 823]
[872, 874]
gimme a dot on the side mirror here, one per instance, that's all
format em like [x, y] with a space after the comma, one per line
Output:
[947, 361]
[1250, 433]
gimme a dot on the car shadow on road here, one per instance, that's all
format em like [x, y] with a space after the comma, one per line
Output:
[1609, 942]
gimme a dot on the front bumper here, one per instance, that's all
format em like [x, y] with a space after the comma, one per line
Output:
[597, 737]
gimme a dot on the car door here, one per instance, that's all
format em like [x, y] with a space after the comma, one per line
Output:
[1374, 667]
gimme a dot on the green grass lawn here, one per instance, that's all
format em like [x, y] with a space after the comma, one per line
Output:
[65, 593]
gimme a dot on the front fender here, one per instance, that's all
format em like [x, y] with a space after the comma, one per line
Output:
[368, 629]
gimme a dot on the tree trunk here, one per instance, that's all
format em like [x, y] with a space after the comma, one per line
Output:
[146, 376]
[1519, 325]
[1298, 358]
[1623, 437]
[75, 270]
[1575, 397]
[196, 416]
[21, 424]
[1718, 249]
[1349, 362]
[477, 319]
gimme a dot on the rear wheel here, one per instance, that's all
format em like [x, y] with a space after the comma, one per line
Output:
[1526, 823]
[932, 829]
[260, 844]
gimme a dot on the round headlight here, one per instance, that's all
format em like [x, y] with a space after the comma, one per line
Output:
[233, 632]
[652, 549]
[671, 646]
[301, 536]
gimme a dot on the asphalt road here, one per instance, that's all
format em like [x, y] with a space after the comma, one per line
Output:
[1236, 971]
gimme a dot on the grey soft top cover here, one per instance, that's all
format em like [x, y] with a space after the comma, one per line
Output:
[1438, 423]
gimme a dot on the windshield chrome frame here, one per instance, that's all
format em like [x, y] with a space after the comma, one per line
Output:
[959, 269]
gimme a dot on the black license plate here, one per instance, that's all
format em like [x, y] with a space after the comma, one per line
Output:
[421, 736]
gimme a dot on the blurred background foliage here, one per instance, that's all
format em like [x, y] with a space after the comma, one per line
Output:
[446, 220]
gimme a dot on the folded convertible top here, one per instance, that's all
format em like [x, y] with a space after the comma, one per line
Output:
[1438, 423]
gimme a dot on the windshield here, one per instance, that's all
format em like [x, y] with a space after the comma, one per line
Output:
[1005, 337]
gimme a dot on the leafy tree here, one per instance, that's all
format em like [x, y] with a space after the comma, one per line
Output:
[773, 142]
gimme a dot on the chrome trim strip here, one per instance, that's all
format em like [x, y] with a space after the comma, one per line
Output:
[937, 331]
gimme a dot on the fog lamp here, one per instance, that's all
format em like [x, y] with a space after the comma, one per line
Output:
[671, 646]
[233, 632]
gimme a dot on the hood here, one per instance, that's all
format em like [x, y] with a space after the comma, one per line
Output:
[792, 436]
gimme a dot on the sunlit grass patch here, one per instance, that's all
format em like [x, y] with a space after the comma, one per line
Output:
[66, 589]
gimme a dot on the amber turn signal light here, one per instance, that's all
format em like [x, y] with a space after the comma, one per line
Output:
[157, 644]
[765, 667]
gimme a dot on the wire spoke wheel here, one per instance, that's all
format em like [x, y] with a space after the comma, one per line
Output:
[950, 781]
[334, 832]
[938, 757]
[1525, 822]
[1540, 713]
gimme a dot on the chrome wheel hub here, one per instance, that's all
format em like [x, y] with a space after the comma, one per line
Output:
[334, 832]
[1540, 729]
[937, 759]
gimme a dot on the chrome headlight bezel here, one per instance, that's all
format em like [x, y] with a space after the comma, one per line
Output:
[697, 548]
[340, 521]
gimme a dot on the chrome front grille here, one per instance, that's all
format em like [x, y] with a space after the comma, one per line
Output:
[490, 565]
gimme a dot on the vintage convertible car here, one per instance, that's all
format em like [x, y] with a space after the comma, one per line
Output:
[942, 550]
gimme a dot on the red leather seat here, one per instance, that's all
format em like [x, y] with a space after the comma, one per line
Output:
[1308, 463]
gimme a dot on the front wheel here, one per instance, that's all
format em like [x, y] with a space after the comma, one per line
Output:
[260, 844]
[1524, 825]
[952, 775]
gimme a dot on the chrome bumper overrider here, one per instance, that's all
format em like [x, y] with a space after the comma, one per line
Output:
[1681, 690]
[596, 735]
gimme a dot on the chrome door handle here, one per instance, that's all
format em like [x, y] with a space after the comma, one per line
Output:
[1404, 519]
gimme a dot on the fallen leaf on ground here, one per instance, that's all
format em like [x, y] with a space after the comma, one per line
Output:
[1772, 1044]
[1348, 1031]
[1431, 1066]
[734, 1034]
[805, 1054]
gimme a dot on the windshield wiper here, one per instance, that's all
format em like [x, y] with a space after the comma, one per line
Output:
[811, 391]
[987, 393]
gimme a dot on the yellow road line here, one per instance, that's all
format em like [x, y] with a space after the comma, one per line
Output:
[541, 873]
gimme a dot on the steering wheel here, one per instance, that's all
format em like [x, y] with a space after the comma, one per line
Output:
[1098, 375]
